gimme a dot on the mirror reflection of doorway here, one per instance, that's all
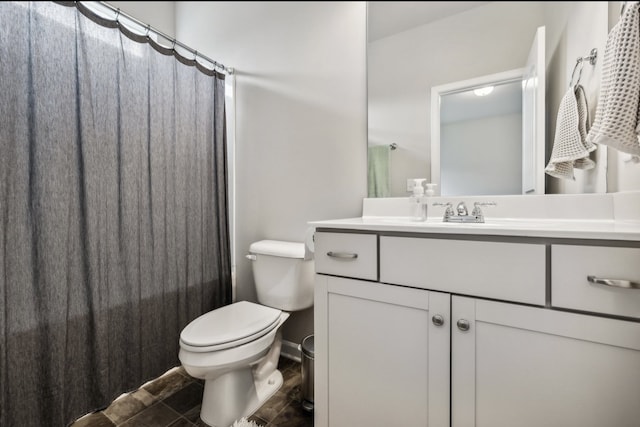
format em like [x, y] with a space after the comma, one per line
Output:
[488, 133]
[481, 140]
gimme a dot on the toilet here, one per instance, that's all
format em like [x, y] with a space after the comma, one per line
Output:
[235, 349]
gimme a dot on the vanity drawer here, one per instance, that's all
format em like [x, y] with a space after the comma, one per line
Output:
[347, 254]
[498, 270]
[570, 288]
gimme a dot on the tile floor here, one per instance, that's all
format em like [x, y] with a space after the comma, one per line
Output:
[173, 400]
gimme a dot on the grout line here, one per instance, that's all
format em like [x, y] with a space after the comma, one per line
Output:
[176, 412]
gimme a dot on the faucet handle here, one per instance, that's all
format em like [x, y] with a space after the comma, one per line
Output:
[448, 212]
[477, 212]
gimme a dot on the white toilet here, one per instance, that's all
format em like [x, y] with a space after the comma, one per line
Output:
[236, 348]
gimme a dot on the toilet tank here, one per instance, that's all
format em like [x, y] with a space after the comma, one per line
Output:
[283, 277]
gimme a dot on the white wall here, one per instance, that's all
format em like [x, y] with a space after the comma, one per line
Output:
[300, 74]
[465, 167]
[573, 29]
[301, 116]
[402, 69]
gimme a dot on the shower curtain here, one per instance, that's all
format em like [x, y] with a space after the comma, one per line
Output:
[113, 209]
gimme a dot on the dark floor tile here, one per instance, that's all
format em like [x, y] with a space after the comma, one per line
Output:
[164, 386]
[185, 399]
[286, 363]
[293, 416]
[123, 408]
[295, 394]
[175, 398]
[272, 407]
[193, 415]
[180, 369]
[291, 378]
[181, 422]
[158, 415]
[97, 419]
[258, 420]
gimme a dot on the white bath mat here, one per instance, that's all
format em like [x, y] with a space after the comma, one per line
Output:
[243, 422]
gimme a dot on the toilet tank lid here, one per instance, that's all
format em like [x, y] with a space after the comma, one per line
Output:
[278, 248]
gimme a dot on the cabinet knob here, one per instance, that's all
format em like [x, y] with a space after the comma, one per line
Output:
[463, 324]
[438, 320]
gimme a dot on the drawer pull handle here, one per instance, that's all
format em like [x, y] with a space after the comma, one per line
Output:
[342, 255]
[614, 282]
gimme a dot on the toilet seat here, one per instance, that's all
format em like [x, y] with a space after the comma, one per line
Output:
[229, 326]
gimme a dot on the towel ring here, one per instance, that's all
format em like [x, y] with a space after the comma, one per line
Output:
[579, 63]
[591, 58]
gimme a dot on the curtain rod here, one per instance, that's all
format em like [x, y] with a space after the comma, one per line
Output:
[148, 28]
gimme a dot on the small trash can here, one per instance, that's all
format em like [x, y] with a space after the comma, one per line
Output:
[307, 350]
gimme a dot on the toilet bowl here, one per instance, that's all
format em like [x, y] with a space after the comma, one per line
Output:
[235, 349]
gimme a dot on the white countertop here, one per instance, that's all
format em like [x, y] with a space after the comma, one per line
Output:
[612, 216]
[521, 227]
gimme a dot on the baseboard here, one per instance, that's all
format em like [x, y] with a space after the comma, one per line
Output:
[291, 351]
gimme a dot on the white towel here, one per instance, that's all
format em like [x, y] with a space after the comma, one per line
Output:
[570, 148]
[618, 111]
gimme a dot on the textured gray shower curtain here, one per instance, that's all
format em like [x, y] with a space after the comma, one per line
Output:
[113, 210]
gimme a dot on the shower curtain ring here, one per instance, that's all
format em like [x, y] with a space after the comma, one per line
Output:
[173, 46]
[117, 15]
[148, 29]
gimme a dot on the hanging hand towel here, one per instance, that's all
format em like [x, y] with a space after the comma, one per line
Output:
[617, 114]
[378, 175]
[584, 124]
[570, 148]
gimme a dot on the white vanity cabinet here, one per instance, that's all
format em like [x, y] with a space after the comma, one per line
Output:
[380, 358]
[530, 367]
[453, 332]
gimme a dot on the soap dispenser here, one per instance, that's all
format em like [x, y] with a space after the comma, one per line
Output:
[417, 201]
[428, 194]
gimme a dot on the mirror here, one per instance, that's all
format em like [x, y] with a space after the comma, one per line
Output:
[460, 112]
[414, 47]
[485, 131]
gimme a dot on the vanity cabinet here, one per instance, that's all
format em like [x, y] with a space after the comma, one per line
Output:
[388, 361]
[530, 367]
[450, 332]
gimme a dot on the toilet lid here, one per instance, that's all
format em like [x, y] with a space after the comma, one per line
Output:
[230, 323]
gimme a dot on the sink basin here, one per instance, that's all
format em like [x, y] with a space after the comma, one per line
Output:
[499, 223]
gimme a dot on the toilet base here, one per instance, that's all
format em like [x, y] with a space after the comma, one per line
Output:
[223, 396]
[264, 390]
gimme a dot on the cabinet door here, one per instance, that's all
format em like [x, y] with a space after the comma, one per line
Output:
[529, 367]
[385, 360]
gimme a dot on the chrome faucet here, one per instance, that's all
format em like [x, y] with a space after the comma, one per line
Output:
[462, 209]
[462, 215]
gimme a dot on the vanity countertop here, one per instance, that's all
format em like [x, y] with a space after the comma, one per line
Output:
[521, 227]
[612, 216]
